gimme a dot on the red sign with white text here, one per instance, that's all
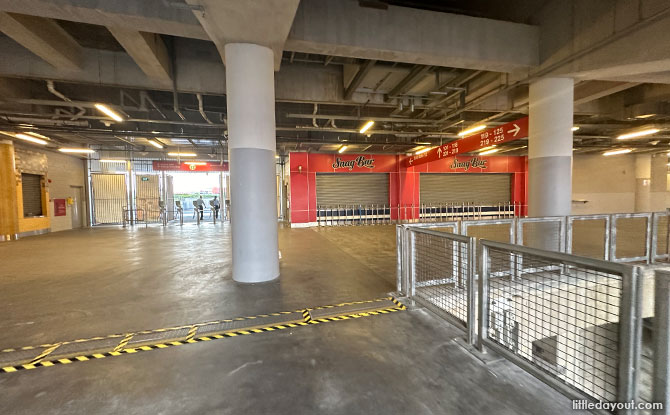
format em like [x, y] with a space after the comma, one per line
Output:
[170, 165]
[493, 136]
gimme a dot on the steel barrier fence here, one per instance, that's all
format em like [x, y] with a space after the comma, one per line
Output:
[575, 322]
[442, 275]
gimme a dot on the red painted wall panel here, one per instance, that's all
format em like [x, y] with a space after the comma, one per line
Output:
[404, 182]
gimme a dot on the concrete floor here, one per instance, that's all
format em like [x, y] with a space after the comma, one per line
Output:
[86, 283]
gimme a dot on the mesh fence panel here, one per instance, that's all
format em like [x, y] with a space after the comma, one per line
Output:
[499, 232]
[631, 234]
[546, 235]
[588, 238]
[661, 225]
[441, 272]
[561, 318]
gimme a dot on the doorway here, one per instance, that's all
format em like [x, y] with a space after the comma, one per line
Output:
[188, 187]
[78, 207]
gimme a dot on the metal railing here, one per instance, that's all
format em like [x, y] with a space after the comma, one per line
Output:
[573, 322]
[134, 216]
[442, 268]
[660, 373]
[379, 214]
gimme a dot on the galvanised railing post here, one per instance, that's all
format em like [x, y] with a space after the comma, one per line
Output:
[471, 291]
[630, 335]
[483, 297]
[412, 263]
[661, 362]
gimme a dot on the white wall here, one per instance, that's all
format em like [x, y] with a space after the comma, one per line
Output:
[63, 172]
[607, 184]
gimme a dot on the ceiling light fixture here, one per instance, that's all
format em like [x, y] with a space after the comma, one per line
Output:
[182, 154]
[423, 151]
[643, 116]
[30, 138]
[486, 148]
[491, 151]
[615, 152]
[76, 150]
[367, 126]
[43, 137]
[108, 112]
[575, 128]
[341, 150]
[641, 133]
[472, 130]
[111, 161]
[196, 163]
[156, 144]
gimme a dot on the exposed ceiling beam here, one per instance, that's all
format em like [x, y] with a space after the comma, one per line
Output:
[407, 82]
[43, 37]
[147, 50]
[589, 91]
[356, 118]
[358, 78]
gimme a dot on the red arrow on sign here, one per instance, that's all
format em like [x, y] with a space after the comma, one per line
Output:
[493, 136]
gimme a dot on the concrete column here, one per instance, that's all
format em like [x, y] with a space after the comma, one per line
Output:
[9, 221]
[550, 147]
[643, 183]
[251, 147]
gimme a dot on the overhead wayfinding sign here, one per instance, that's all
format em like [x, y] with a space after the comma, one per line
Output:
[493, 136]
[170, 165]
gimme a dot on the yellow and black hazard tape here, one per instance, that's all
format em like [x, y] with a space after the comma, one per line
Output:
[35, 363]
[190, 326]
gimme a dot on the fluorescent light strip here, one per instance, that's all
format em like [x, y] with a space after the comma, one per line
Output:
[155, 144]
[76, 150]
[195, 163]
[367, 126]
[615, 152]
[43, 137]
[423, 151]
[111, 161]
[342, 149]
[182, 154]
[491, 151]
[486, 148]
[471, 130]
[108, 112]
[575, 128]
[640, 133]
[31, 139]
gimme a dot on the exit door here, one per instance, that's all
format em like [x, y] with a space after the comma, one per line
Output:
[78, 208]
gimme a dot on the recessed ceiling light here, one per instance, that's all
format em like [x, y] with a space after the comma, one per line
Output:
[76, 150]
[472, 130]
[641, 133]
[615, 152]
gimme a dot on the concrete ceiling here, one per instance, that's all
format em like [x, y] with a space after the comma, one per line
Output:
[162, 69]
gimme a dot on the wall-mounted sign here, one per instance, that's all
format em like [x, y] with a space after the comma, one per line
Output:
[360, 161]
[466, 164]
[173, 165]
[493, 136]
[145, 179]
[60, 208]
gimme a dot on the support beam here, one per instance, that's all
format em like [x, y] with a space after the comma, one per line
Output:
[408, 82]
[147, 50]
[358, 78]
[400, 34]
[589, 91]
[43, 37]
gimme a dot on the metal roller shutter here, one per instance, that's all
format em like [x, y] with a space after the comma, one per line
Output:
[478, 188]
[109, 198]
[31, 185]
[334, 189]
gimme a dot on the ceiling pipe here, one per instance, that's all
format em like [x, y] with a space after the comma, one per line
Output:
[201, 108]
[52, 88]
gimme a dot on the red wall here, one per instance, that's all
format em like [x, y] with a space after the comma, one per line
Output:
[403, 181]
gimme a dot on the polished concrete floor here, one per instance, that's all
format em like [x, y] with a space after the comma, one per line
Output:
[93, 282]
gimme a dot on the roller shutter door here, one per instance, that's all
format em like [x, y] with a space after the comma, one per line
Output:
[440, 188]
[334, 189]
[109, 198]
[31, 185]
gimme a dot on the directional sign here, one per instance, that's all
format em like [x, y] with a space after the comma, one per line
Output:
[493, 136]
[173, 165]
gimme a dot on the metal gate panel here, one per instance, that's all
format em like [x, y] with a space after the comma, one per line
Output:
[109, 198]
[479, 188]
[147, 197]
[169, 195]
[333, 189]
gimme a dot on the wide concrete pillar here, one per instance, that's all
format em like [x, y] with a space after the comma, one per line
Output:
[550, 147]
[643, 183]
[9, 221]
[251, 149]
